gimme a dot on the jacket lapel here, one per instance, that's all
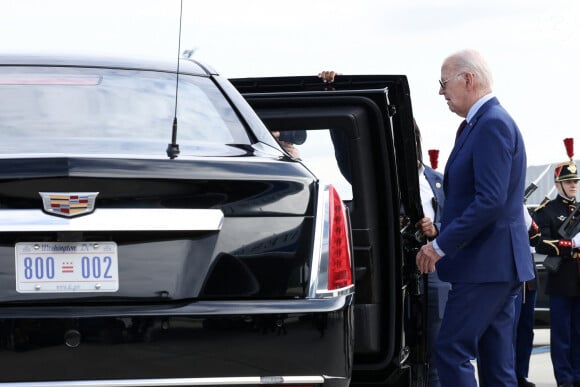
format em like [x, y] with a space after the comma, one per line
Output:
[467, 131]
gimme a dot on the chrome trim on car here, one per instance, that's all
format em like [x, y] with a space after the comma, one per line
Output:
[196, 308]
[114, 219]
[320, 244]
[335, 293]
[264, 380]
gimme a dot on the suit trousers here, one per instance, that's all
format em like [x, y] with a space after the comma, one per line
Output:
[437, 298]
[478, 324]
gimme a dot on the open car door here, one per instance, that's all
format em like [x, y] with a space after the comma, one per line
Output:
[357, 133]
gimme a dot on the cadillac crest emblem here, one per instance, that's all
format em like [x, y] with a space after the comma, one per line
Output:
[68, 204]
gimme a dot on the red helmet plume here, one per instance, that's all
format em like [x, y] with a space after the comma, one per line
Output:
[569, 144]
[567, 170]
[433, 157]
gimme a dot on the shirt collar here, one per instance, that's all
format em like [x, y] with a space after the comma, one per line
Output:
[567, 200]
[475, 107]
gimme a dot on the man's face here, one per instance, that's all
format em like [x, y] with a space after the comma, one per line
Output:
[568, 188]
[453, 88]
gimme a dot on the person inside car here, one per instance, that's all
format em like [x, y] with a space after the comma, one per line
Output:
[288, 139]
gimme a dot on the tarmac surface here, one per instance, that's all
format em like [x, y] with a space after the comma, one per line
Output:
[541, 371]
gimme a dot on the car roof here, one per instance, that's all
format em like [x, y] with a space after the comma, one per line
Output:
[186, 66]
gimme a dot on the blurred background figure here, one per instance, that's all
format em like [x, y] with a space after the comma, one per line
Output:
[289, 138]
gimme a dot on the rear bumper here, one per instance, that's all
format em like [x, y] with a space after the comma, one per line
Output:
[247, 381]
[298, 342]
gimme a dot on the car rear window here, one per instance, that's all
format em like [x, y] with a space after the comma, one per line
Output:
[46, 110]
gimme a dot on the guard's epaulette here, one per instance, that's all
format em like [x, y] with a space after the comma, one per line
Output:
[542, 205]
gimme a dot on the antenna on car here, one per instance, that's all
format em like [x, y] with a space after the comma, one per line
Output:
[173, 147]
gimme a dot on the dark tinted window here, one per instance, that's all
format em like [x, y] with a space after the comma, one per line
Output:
[106, 111]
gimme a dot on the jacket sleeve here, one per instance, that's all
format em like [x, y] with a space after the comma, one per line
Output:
[548, 242]
[534, 234]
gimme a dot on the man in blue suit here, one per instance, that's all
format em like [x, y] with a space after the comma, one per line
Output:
[432, 202]
[482, 248]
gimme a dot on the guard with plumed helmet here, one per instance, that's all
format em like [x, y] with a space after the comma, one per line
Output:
[563, 265]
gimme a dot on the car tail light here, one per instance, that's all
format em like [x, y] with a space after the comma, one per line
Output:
[339, 251]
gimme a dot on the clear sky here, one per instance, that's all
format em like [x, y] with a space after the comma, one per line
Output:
[531, 45]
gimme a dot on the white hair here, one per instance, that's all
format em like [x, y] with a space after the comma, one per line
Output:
[472, 61]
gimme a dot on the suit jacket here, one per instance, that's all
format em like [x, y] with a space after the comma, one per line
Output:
[438, 290]
[483, 232]
[435, 180]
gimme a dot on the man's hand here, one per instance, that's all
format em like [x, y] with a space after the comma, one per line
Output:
[328, 76]
[426, 227]
[426, 258]
[288, 146]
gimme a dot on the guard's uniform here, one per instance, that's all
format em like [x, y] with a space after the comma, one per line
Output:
[563, 286]
[566, 281]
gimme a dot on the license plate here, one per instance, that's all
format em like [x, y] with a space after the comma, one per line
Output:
[66, 267]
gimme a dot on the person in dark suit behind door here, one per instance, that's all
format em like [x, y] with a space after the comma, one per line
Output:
[432, 202]
[482, 248]
[525, 307]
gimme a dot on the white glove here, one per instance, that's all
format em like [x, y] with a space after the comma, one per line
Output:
[527, 218]
[576, 241]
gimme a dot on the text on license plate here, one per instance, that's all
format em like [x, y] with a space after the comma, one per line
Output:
[66, 267]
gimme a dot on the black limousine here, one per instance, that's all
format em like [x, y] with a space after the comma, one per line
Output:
[155, 233]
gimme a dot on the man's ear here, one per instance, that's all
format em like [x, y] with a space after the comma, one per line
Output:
[469, 79]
